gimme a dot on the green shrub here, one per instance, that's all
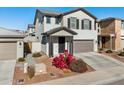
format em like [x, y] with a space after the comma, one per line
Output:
[109, 51]
[121, 54]
[100, 50]
[21, 59]
[37, 54]
[78, 66]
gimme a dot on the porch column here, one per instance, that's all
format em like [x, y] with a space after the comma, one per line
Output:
[50, 46]
[100, 41]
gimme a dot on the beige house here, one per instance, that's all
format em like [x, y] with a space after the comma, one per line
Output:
[110, 33]
[11, 44]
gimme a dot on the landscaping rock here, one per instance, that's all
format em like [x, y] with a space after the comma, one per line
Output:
[40, 69]
[78, 66]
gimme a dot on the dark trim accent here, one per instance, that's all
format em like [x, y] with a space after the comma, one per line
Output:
[83, 40]
[68, 22]
[72, 45]
[95, 25]
[52, 31]
[35, 16]
[63, 14]
[77, 23]
[82, 24]
[90, 24]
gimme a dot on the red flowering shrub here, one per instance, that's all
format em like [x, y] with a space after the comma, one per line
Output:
[63, 60]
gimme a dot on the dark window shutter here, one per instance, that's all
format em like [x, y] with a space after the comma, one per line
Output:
[95, 26]
[82, 24]
[77, 24]
[68, 22]
[90, 25]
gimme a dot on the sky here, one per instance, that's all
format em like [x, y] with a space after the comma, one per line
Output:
[19, 17]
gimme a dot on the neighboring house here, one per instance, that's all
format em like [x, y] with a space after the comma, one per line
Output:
[74, 30]
[111, 33]
[31, 41]
[11, 44]
[30, 30]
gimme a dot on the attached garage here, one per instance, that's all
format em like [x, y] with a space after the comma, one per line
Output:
[11, 44]
[82, 46]
[8, 50]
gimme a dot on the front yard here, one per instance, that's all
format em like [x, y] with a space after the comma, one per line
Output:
[116, 55]
[51, 72]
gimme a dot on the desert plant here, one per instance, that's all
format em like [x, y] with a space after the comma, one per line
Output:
[37, 54]
[31, 71]
[121, 54]
[21, 59]
[78, 66]
[63, 60]
[100, 50]
[109, 51]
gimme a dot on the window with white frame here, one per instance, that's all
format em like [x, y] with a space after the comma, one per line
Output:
[73, 22]
[48, 20]
[57, 20]
[86, 24]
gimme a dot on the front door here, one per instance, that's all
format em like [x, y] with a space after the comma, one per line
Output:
[61, 44]
[103, 42]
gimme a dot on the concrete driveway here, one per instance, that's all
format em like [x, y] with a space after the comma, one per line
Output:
[7, 71]
[99, 61]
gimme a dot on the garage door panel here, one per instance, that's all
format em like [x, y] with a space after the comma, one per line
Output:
[7, 50]
[122, 43]
[82, 46]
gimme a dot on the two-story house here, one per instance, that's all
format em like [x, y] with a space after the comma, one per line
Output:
[111, 33]
[74, 30]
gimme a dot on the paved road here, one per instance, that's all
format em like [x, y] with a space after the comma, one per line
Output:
[99, 61]
[7, 71]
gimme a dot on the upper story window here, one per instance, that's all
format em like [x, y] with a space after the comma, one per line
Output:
[122, 25]
[73, 23]
[48, 20]
[86, 24]
[57, 20]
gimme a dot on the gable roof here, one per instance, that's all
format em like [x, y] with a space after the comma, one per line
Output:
[52, 31]
[110, 18]
[49, 13]
[60, 14]
[78, 9]
[4, 32]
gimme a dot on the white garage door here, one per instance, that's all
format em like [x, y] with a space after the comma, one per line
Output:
[82, 46]
[7, 50]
